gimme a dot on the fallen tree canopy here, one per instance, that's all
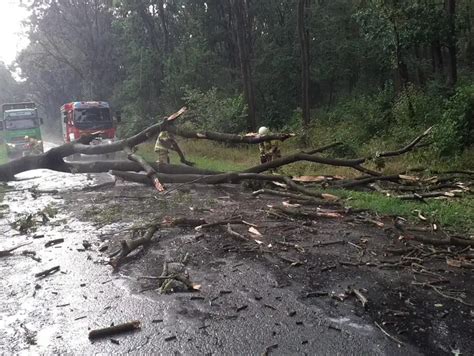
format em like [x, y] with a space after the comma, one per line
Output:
[156, 174]
[54, 158]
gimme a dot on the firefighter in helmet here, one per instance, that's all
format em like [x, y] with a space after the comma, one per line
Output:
[35, 146]
[269, 150]
[166, 142]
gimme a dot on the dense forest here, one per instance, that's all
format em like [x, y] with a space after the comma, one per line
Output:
[356, 70]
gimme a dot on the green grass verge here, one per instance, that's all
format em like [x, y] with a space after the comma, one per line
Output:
[457, 214]
[454, 213]
[209, 155]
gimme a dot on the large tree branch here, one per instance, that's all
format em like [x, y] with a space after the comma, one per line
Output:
[351, 163]
[228, 138]
[53, 159]
[105, 166]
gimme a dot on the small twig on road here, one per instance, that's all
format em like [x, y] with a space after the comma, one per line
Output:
[316, 294]
[389, 336]
[32, 255]
[328, 243]
[355, 245]
[53, 242]
[113, 330]
[98, 186]
[47, 272]
[328, 268]
[8, 252]
[235, 234]
[362, 298]
[224, 222]
[441, 293]
[269, 349]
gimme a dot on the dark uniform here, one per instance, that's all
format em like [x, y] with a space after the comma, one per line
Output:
[269, 151]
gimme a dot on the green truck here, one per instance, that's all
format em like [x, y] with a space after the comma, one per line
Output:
[21, 134]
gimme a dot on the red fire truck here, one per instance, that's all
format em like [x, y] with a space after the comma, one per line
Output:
[82, 118]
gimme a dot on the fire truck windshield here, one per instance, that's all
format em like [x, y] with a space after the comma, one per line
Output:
[91, 115]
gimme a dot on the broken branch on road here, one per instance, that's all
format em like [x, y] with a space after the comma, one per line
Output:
[5, 253]
[114, 330]
[47, 272]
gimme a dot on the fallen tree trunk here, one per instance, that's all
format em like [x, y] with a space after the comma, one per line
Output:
[53, 159]
[105, 166]
[365, 180]
[221, 179]
[305, 198]
[422, 196]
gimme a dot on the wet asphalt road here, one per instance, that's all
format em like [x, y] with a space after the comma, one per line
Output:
[53, 315]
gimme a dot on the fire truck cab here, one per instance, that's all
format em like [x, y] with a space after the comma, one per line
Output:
[82, 118]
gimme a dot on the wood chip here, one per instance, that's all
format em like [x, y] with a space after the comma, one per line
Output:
[254, 231]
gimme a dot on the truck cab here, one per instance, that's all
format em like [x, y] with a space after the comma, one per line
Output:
[82, 118]
[21, 129]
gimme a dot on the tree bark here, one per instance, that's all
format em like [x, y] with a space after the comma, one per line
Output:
[164, 25]
[402, 69]
[305, 64]
[53, 159]
[244, 44]
[437, 57]
[452, 74]
[420, 76]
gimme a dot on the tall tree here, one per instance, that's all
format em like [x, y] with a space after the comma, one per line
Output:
[10, 90]
[79, 34]
[452, 71]
[303, 34]
[244, 43]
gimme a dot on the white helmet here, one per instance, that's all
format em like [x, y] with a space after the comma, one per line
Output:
[263, 130]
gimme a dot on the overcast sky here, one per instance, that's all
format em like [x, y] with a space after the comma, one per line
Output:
[11, 38]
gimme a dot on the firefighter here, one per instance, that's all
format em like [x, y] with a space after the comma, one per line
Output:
[269, 150]
[166, 142]
[35, 145]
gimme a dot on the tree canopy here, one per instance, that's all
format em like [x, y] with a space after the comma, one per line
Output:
[249, 62]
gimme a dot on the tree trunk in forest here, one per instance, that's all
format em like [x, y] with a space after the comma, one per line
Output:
[303, 35]
[244, 44]
[164, 26]
[142, 11]
[420, 76]
[402, 69]
[437, 57]
[451, 44]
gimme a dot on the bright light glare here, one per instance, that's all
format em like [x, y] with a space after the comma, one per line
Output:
[12, 36]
